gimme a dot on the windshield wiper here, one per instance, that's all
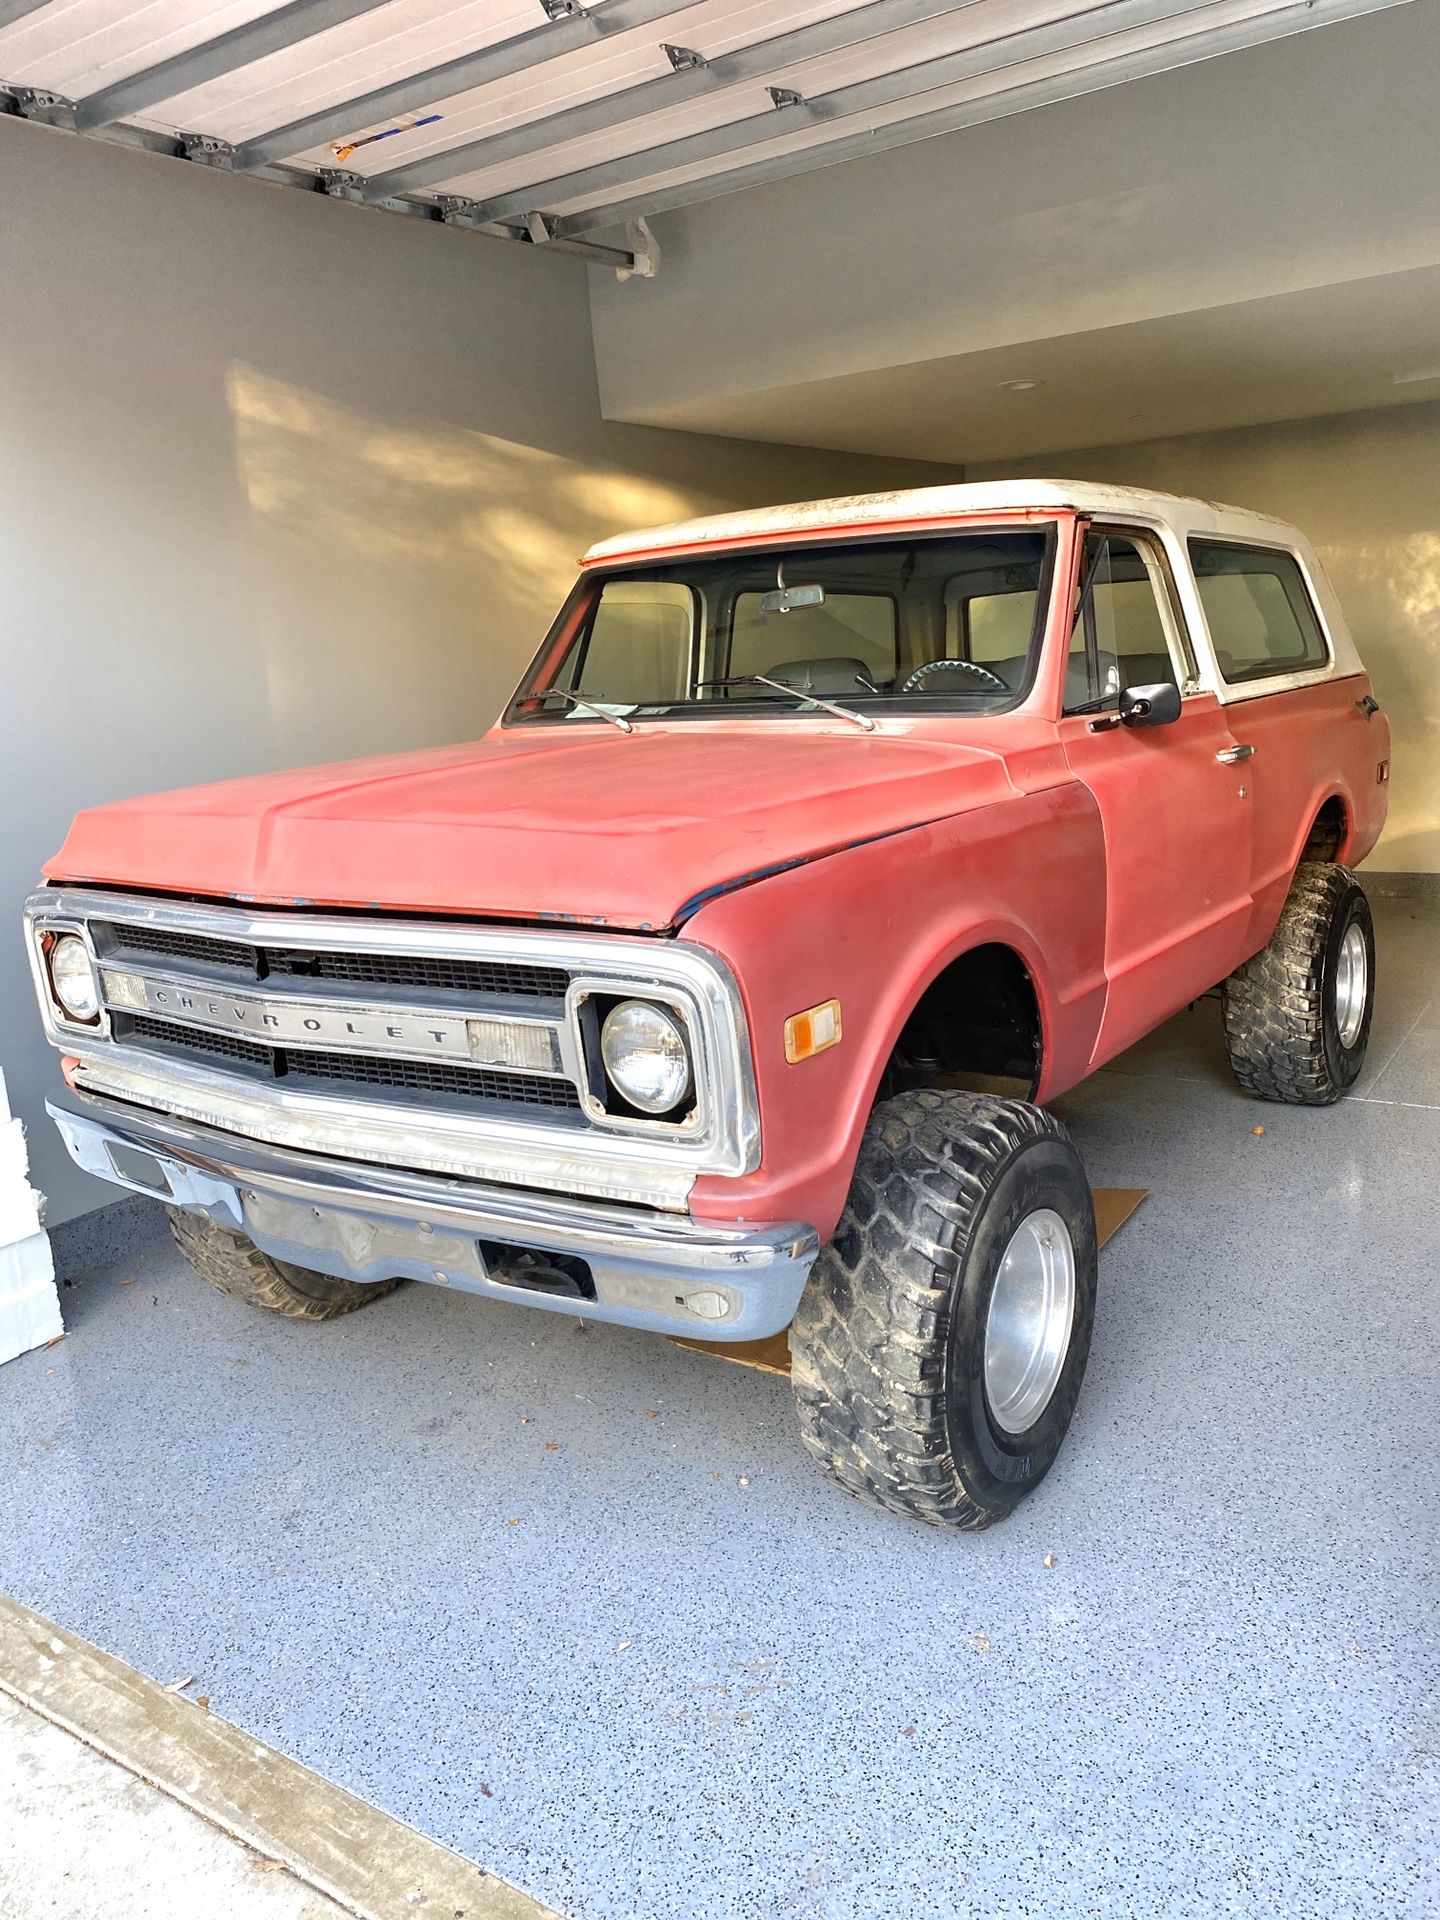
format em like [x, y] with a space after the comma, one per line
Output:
[861, 720]
[587, 706]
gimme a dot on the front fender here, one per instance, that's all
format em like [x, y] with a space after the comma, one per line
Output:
[872, 926]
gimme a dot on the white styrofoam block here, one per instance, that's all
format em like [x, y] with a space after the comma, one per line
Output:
[19, 1214]
[13, 1159]
[29, 1304]
[29, 1301]
[19, 1202]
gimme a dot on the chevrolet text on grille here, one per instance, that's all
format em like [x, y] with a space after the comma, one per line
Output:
[531, 1045]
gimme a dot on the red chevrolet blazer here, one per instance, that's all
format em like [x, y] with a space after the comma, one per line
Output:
[719, 988]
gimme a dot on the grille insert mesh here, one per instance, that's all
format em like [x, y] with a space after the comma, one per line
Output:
[433, 971]
[423, 970]
[167, 944]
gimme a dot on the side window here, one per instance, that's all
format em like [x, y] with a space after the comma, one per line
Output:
[1258, 611]
[1123, 634]
[638, 649]
[847, 627]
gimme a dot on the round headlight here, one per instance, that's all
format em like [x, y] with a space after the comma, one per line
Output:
[645, 1055]
[73, 977]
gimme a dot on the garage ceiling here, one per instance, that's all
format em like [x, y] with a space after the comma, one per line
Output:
[546, 121]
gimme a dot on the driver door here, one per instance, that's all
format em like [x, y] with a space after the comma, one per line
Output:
[1176, 811]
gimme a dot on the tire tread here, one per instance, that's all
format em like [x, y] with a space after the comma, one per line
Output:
[1273, 1007]
[867, 1344]
[235, 1266]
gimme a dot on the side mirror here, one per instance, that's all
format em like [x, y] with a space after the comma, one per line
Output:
[1153, 706]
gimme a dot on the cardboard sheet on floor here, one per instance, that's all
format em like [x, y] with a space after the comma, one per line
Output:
[1113, 1207]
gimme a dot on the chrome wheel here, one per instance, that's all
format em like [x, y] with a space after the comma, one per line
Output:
[1352, 984]
[1027, 1330]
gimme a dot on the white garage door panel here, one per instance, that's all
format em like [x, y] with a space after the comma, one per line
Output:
[407, 37]
[968, 26]
[712, 29]
[841, 70]
[80, 47]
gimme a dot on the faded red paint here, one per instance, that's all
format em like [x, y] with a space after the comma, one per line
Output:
[581, 823]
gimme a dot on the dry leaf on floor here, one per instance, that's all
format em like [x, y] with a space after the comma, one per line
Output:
[179, 1686]
[512, 1523]
[1049, 1561]
[487, 1790]
[624, 1647]
[127, 1279]
[908, 1733]
[552, 1446]
[652, 1413]
[271, 1866]
[202, 1700]
[980, 1642]
[1257, 1131]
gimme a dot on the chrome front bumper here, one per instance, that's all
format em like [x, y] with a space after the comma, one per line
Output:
[661, 1271]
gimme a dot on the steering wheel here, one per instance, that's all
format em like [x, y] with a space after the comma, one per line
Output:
[917, 681]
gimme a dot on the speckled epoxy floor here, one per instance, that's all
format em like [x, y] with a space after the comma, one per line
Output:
[574, 1602]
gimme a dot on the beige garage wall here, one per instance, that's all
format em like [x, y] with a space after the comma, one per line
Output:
[1366, 488]
[282, 480]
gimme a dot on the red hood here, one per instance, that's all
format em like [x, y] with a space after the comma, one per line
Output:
[539, 823]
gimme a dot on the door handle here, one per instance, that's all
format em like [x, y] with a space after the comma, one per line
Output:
[1229, 755]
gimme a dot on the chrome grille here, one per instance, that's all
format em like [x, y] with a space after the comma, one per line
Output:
[353, 1069]
[299, 1029]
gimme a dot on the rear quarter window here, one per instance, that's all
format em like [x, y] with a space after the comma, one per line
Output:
[1259, 611]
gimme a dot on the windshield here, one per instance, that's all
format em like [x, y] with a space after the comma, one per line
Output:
[946, 621]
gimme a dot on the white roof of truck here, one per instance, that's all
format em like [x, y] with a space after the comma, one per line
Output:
[1181, 514]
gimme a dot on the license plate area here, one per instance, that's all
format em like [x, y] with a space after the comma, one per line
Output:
[139, 1169]
[564, 1276]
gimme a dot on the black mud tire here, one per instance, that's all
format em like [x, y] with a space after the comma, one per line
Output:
[231, 1264]
[1282, 1025]
[887, 1349]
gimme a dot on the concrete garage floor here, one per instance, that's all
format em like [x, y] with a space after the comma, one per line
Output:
[574, 1602]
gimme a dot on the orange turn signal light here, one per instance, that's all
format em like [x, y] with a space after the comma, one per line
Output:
[812, 1032]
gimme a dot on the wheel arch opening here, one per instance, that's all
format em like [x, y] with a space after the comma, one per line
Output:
[977, 1025]
[1328, 833]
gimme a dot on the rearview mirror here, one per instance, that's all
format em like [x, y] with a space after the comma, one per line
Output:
[783, 599]
[1153, 706]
